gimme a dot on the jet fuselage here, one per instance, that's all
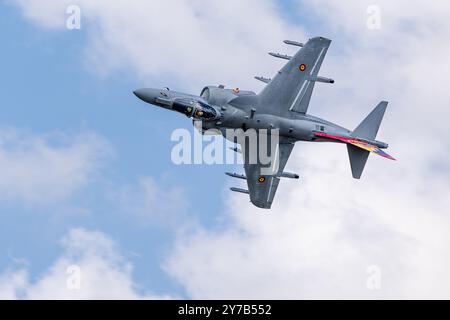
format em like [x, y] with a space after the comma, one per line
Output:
[240, 112]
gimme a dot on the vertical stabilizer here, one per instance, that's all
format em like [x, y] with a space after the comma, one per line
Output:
[368, 128]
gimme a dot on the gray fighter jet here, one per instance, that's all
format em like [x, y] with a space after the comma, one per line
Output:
[282, 106]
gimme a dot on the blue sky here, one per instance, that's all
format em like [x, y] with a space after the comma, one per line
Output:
[46, 88]
[87, 165]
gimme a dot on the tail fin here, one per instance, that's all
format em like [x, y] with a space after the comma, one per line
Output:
[358, 158]
[368, 128]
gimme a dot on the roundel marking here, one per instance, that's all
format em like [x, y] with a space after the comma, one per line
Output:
[302, 67]
[261, 179]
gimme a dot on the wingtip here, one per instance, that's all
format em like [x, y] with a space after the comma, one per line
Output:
[261, 204]
[319, 38]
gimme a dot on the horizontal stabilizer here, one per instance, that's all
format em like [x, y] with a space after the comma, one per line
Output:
[357, 143]
[358, 158]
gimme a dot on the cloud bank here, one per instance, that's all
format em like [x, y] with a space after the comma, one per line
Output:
[180, 42]
[91, 267]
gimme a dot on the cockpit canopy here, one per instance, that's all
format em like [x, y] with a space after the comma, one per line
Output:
[196, 109]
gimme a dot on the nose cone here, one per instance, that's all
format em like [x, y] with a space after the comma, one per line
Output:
[147, 95]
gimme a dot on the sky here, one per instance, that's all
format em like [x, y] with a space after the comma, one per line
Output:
[92, 207]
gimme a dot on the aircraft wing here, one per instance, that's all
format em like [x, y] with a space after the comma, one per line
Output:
[262, 186]
[292, 87]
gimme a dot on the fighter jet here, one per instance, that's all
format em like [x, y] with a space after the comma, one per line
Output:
[282, 106]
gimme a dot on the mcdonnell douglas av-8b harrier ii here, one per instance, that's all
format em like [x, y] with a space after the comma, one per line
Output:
[282, 107]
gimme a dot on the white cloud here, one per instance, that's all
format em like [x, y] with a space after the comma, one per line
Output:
[12, 283]
[323, 232]
[104, 274]
[320, 237]
[176, 41]
[47, 168]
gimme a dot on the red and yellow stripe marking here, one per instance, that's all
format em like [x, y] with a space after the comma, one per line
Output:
[361, 144]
